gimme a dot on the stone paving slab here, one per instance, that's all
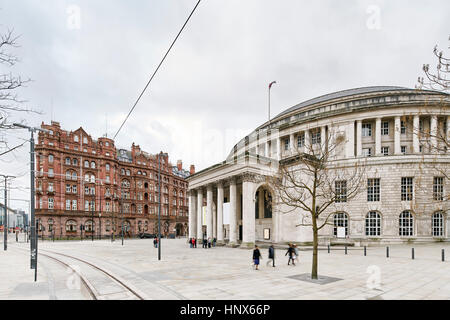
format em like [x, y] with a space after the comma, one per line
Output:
[227, 273]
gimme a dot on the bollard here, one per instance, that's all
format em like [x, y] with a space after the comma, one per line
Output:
[365, 251]
[328, 248]
[412, 253]
[387, 252]
[443, 255]
[345, 249]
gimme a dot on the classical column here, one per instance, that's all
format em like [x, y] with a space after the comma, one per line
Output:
[266, 149]
[209, 213]
[192, 215]
[248, 213]
[214, 221]
[448, 135]
[307, 141]
[233, 222]
[261, 203]
[350, 144]
[278, 148]
[220, 212]
[200, 214]
[359, 138]
[433, 133]
[323, 137]
[378, 137]
[416, 129]
[397, 128]
[292, 144]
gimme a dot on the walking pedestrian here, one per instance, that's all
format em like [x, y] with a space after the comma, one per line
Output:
[209, 243]
[271, 256]
[205, 245]
[195, 242]
[256, 257]
[190, 242]
[296, 252]
[214, 242]
[290, 252]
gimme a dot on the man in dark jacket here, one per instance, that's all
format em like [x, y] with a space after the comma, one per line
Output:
[271, 256]
[291, 254]
[256, 257]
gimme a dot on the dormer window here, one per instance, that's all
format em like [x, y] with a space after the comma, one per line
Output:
[75, 138]
[85, 140]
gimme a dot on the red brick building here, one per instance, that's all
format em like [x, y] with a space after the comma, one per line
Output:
[85, 182]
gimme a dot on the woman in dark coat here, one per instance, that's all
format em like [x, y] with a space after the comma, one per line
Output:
[291, 253]
[256, 257]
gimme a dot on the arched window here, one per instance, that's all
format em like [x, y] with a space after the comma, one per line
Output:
[89, 226]
[86, 164]
[340, 220]
[140, 226]
[92, 178]
[122, 171]
[92, 165]
[50, 223]
[437, 224]
[50, 158]
[74, 175]
[75, 162]
[146, 226]
[86, 177]
[128, 172]
[107, 167]
[71, 226]
[68, 161]
[406, 224]
[68, 175]
[139, 172]
[373, 224]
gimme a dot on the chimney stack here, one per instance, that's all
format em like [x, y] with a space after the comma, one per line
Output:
[192, 170]
[179, 165]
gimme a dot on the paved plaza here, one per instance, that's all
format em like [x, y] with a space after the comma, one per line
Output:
[227, 273]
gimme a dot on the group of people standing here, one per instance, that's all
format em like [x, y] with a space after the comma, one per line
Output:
[206, 243]
[292, 251]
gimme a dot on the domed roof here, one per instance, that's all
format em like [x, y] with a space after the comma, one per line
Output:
[346, 93]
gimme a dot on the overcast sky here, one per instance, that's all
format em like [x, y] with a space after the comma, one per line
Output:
[88, 69]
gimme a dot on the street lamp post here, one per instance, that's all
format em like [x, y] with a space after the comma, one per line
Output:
[33, 241]
[5, 221]
[159, 205]
[270, 87]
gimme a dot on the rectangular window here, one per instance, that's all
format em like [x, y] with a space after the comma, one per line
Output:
[385, 151]
[402, 127]
[403, 149]
[366, 129]
[50, 173]
[373, 190]
[86, 205]
[301, 140]
[68, 202]
[68, 188]
[51, 203]
[385, 128]
[341, 190]
[286, 144]
[74, 204]
[74, 188]
[438, 188]
[407, 188]
[367, 152]
[86, 190]
[316, 137]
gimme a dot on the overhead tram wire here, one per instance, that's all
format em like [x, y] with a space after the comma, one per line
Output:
[154, 73]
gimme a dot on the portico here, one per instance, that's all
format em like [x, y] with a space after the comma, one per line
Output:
[237, 189]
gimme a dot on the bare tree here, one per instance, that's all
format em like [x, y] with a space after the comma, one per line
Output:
[315, 183]
[436, 141]
[10, 102]
[439, 80]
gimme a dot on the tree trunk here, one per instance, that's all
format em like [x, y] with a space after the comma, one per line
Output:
[315, 245]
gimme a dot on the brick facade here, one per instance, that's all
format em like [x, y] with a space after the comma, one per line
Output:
[80, 180]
